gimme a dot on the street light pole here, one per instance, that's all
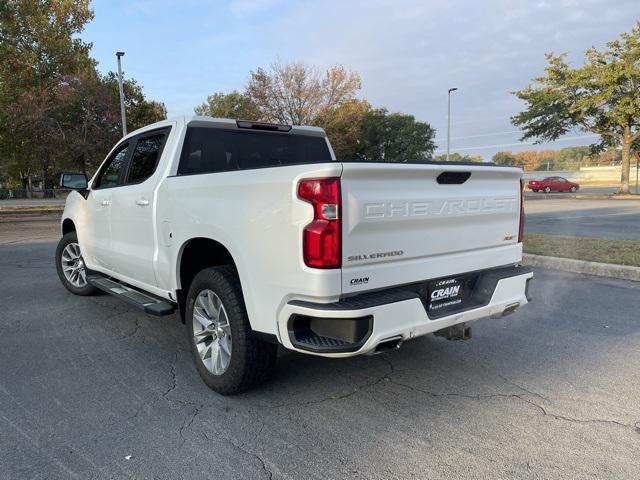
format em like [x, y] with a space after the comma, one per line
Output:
[449, 118]
[123, 113]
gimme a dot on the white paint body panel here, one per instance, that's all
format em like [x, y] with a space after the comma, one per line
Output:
[408, 319]
[257, 216]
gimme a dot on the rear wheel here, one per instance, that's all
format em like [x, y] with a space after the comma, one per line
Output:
[536, 190]
[228, 356]
[70, 266]
[547, 189]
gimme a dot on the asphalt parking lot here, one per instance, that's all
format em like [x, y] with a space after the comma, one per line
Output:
[584, 217]
[91, 388]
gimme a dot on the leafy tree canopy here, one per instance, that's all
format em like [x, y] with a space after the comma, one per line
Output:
[456, 157]
[601, 96]
[56, 110]
[231, 105]
[296, 93]
[393, 137]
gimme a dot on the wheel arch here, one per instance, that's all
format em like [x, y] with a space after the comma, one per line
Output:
[195, 255]
[68, 226]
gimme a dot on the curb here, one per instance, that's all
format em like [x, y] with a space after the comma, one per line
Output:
[31, 210]
[610, 270]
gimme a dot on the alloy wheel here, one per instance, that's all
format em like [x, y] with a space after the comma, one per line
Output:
[211, 332]
[73, 265]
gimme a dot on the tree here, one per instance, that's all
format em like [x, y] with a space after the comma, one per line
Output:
[295, 93]
[601, 97]
[456, 157]
[506, 159]
[343, 125]
[529, 160]
[610, 156]
[140, 111]
[572, 158]
[230, 105]
[90, 121]
[56, 110]
[39, 50]
[393, 137]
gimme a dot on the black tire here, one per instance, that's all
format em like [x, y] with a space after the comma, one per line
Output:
[252, 361]
[573, 189]
[547, 189]
[85, 290]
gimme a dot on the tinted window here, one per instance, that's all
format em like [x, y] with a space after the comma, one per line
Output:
[145, 158]
[110, 174]
[211, 150]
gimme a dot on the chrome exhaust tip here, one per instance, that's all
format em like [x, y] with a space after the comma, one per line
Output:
[388, 344]
[508, 310]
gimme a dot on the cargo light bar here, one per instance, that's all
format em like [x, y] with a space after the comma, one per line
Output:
[273, 127]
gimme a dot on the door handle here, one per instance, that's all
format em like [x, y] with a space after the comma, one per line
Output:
[143, 202]
[105, 203]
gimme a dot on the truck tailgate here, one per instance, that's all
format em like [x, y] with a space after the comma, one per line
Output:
[405, 223]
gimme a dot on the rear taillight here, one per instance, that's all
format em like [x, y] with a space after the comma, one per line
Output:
[321, 239]
[521, 227]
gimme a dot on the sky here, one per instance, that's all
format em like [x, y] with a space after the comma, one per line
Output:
[407, 52]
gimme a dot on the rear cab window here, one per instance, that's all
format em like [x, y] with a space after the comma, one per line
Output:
[208, 150]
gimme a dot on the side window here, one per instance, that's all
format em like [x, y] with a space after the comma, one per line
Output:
[145, 158]
[109, 176]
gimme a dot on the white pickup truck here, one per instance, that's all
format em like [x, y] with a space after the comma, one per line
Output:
[258, 236]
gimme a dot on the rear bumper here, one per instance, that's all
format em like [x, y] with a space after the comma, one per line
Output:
[357, 325]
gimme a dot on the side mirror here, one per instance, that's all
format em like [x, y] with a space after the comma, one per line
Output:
[74, 181]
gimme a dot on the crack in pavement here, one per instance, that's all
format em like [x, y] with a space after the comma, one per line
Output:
[174, 380]
[241, 448]
[135, 330]
[357, 389]
[186, 425]
[521, 397]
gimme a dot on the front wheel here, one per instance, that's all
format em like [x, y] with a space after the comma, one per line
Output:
[228, 356]
[573, 189]
[70, 266]
[547, 189]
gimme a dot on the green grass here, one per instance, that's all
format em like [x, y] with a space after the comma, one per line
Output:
[621, 252]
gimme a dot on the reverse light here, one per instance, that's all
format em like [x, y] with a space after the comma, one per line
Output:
[521, 227]
[322, 238]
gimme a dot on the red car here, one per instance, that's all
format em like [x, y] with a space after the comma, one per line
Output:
[553, 184]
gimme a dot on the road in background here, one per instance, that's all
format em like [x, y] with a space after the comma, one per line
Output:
[596, 191]
[28, 228]
[584, 218]
[93, 388]
[32, 202]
